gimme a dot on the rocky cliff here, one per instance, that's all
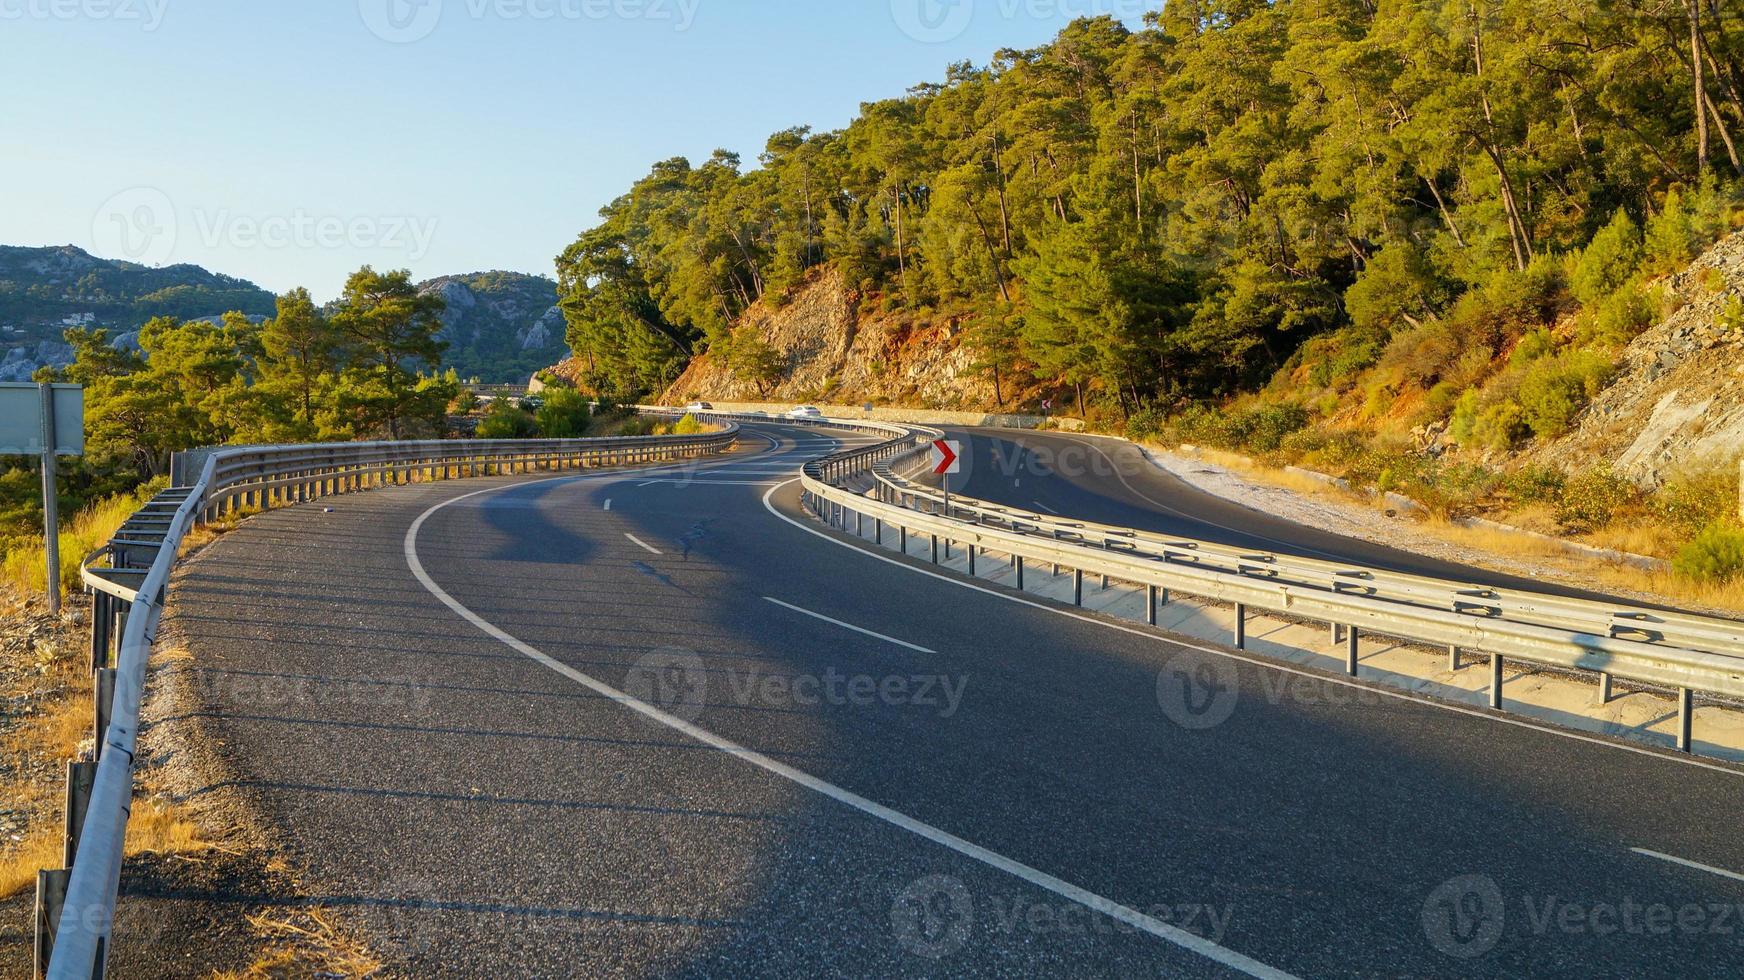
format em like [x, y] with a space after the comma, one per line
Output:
[1678, 400]
[500, 326]
[840, 349]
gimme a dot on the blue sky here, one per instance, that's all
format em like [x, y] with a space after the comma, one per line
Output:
[290, 141]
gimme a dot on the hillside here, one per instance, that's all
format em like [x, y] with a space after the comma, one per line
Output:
[832, 349]
[500, 326]
[45, 290]
[1677, 403]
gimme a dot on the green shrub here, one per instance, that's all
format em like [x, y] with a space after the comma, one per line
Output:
[507, 421]
[1715, 555]
[564, 415]
[1263, 428]
[1533, 345]
[1697, 499]
[1623, 315]
[1553, 391]
[1592, 499]
[1502, 425]
[687, 426]
[1608, 261]
[1533, 484]
[1687, 222]
[1146, 423]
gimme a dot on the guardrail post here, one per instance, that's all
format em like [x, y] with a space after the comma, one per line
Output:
[81, 776]
[100, 623]
[1453, 657]
[51, 896]
[935, 542]
[1686, 710]
[1352, 638]
[1496, 681]
[878, 531]
[1337, 633]
[903, 534]
[103, 700]
[1604, 687]
[1077, 586]
[1150, 605]
[970, 551]
[1240, 626]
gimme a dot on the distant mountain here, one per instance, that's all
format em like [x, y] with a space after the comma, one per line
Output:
[45, 290]
[500, 326]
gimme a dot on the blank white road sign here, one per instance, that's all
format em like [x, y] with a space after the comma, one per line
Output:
[21, 419]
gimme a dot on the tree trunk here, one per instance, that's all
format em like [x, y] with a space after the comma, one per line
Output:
[1446, 215]
[1004, 212]
[1695, 26]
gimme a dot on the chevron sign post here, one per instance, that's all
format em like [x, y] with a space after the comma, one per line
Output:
[947, 457]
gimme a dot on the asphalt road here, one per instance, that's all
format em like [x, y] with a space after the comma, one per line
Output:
[1108, 481]
[660, 725]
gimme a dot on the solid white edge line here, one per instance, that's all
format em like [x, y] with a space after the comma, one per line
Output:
[847, 626]
[644, 545]
[1697, 865]
[1041, 879]
[1278, 665]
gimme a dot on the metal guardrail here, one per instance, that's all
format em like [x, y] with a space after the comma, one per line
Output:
[1681, 652]
[76, 904]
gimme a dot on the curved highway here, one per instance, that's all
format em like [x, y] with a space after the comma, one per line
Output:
[1108, 481]
[657, 723]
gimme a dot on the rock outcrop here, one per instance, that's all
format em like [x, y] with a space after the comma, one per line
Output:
[1678, 400]
[837, 351]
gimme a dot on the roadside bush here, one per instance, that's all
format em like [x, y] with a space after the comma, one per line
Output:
[1533, 484]
[507, 421]
[1494, 421]
[1146, 423]
[1264, 427]
[1592, 499]
[1689, 502]
[687, 426]
[1321, 448]
[564, 415]
[1715, 555]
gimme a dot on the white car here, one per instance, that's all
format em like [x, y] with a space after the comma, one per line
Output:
[699, 407]
[805, 412]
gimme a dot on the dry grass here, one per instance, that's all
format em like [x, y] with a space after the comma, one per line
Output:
[89, 528]
[58, 734]
[306, 944]
[1655, 540]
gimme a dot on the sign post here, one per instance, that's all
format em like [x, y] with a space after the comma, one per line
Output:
[45, 420]
[947, 459]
